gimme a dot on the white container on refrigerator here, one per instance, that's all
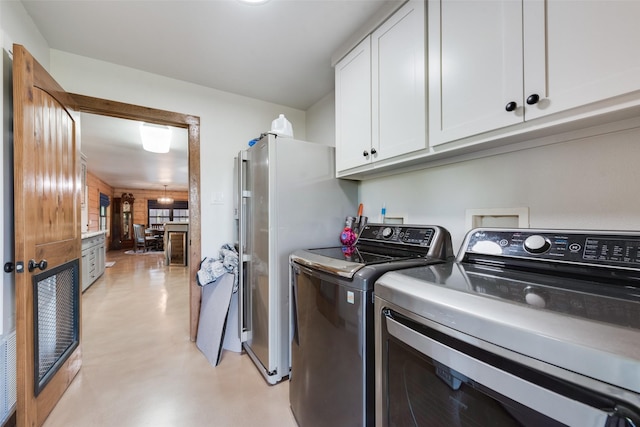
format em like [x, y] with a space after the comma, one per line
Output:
[288, 198]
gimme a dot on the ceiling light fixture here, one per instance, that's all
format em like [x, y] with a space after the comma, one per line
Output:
[155, 138]
[165, 200]
[253, 2]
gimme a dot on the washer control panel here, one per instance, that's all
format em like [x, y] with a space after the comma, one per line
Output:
[405, 235]
[576, 246]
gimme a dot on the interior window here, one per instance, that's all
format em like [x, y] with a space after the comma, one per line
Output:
[158, 213]
[104, 204]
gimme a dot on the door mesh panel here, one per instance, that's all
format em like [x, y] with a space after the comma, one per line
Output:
[56, 319]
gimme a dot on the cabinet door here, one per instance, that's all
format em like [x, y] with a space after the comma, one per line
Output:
[475, 67]
[353, 108]
[591, 52]
[100, 259]
[398, 74]
[84, 267]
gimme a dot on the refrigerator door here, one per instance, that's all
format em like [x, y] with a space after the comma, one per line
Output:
[293, 201]
[242, 217]
[258, 305]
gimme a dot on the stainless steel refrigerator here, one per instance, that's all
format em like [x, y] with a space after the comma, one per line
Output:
[288, 198]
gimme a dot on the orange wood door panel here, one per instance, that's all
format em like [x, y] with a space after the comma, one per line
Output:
[47, 215]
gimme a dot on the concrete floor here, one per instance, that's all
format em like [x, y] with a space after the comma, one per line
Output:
[140, 368]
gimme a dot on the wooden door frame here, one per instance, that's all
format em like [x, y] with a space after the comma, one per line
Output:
[104, 107]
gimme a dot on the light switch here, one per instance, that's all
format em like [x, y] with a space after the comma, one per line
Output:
[217, 198]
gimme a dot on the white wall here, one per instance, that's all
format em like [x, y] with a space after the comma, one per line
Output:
[321, 121]
[586, 182]
[227, 123]
[18, 28]
[15, 27]
[582, 183]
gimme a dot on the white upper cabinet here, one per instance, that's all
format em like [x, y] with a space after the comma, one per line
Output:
[380, 92]
[475, 67]
[496, 63]
[398, 51]
[591, 52]
[353, 107]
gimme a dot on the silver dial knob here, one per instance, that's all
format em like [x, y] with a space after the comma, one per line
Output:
[535, 297]
[536, 244]
[387, 232]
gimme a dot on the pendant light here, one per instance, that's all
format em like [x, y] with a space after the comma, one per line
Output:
[165, 200]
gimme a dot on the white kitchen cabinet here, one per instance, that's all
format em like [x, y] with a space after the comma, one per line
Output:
[380, 92]
[591, 53]
[353, 107]
[398, 50]
[475, 66]
[488, 56]
[93, 258]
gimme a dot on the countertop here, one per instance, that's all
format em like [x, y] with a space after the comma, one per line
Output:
[92, 234]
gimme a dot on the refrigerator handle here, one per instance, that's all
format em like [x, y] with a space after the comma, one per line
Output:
[293, 276]
[243, 251]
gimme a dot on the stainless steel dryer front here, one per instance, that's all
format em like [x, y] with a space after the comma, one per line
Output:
[332, 364]
[527, 328]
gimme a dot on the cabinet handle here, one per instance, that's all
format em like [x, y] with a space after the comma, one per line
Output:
[511, 106]
[365, 153]
[533, 99]
[373, 151]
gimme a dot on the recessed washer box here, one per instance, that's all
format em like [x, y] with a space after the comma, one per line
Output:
[497, 217]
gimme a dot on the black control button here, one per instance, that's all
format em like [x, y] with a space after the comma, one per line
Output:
[575, 247]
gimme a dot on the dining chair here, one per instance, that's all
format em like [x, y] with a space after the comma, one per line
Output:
[141, 239]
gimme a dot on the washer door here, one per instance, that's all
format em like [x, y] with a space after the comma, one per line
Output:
[429, 378]
[331, 379]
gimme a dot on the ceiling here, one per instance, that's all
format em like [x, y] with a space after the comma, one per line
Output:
[279, 52]
[114, 154]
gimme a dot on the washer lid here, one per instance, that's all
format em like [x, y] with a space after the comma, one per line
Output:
[342, 261]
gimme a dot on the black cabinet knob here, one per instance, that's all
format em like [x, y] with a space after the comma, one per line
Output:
[8, 267]
[511, 106]
[365, 153]
[533, 99]
[373, 151]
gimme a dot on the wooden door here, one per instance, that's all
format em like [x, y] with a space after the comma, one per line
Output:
[47, 235]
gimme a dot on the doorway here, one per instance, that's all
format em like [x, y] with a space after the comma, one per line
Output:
[105, 107]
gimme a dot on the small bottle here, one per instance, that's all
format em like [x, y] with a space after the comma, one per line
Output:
[348, 237]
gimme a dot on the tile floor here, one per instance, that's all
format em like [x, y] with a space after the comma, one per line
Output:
[140, 368]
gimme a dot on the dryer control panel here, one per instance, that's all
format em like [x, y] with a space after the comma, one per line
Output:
[420, 240]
